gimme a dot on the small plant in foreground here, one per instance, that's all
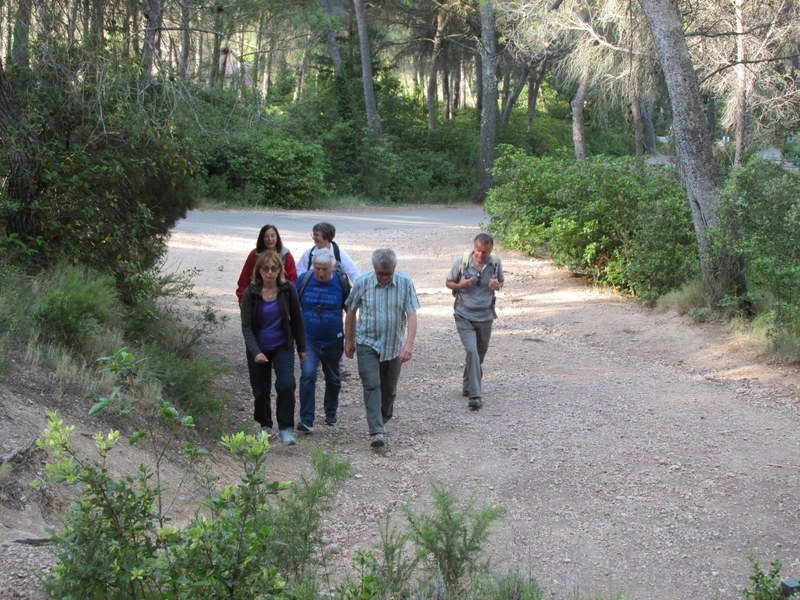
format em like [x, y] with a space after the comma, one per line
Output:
[453, 539]
[766, 585]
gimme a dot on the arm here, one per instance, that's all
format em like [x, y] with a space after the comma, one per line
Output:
[466, 282]
[297, 324]
[349, 267]
[290, 267]
[408, 347]
[349, 332]
[246, 275]
[246, 311]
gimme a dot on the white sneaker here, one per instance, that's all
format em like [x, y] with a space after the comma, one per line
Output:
[286, 437]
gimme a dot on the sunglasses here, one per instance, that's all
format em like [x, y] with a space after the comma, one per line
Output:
[271, 269]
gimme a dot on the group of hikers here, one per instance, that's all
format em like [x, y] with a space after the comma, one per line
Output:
[323, 307]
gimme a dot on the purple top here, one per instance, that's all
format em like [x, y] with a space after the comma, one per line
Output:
[270, 336]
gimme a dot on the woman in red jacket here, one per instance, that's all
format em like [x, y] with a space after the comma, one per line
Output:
[268, 239]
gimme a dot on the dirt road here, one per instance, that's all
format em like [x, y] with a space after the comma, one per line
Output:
[635, 452]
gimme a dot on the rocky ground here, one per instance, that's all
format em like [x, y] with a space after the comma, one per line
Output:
[635, 452]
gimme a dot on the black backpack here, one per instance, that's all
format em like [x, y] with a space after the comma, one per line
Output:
[336, 254]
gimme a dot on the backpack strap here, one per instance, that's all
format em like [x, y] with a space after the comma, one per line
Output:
[301, 286]
[337, 254]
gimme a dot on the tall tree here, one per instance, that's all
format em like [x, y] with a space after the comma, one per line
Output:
[370, 103]
[692, 141]
[488, 53]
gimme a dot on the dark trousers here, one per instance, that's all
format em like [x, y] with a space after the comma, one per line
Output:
[281, 361]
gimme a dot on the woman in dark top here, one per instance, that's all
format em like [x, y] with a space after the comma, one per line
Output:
[268, 239]
[272, 324]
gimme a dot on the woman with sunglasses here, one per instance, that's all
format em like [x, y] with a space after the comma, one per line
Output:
[272, 324]
[268, 239]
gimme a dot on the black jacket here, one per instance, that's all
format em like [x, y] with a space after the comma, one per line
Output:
[291, 317]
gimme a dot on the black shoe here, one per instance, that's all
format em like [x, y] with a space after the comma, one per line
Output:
[376, 440]
[475, 403]
[330, 421]
[304, 427]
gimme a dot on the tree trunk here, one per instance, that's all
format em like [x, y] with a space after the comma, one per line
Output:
[578, 136]
[441, 22]
[692, 143]
[508, 107]
[153, 15]
[488, 99]
[741, 129]
[370, 103]
[638, 122]
[455, 92]
[186, 38]
[649, 128]
[446, 99]
[534, 85]
[20, 53]
[333, 45]
[216, 52]
[24, 176]
[479, 86]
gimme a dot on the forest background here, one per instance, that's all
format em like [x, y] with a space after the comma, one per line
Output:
[118, 117]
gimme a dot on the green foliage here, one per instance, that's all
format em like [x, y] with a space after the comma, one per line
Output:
[117, 542]
[623, 222]
[759, 212]
[115, 175]
[511, 585]
[280, 171]
[791, 149]
[453, 539]
[76, 307]
[766, 586]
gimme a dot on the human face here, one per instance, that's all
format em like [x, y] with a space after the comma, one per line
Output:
[323, 272]
[384, 275]
[270, 238]
[269, 271]
[319, 241]
[481, 253]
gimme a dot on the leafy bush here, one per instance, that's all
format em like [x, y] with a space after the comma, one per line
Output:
[116, 541]
[452, 540]
[759, 212]
[76, 307]
[281, 171]
[766, 585]
[623, 222]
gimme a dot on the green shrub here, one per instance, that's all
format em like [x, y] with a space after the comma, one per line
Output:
[452, 539]
[117, 542]
[759, 212]
[75, 307]
[281, 171]
[510, 586]
[623, 222]
[766, 586]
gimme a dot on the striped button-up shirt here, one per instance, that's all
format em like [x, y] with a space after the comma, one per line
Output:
[383, 311]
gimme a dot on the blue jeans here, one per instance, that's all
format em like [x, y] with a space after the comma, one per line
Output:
[379, 381]
[281, 361]
[329, 356]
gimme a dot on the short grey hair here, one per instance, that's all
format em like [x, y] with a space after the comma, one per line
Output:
[384, 258]
[323, 256]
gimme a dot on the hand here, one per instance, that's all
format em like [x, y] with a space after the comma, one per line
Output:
[349, 348]
[261, 358]
[303, 357]
[467, 282]
[494, 284]
[405, 354]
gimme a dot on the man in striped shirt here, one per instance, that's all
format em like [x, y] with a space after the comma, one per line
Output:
[385, 302]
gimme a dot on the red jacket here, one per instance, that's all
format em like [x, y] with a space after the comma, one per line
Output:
[246, 276]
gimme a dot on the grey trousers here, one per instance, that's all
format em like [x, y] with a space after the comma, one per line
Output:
[475, 336]
[379, 381]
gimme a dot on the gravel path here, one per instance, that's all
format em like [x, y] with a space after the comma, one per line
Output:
[636, 452]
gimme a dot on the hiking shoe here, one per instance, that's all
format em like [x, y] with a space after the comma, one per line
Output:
[286, 437]
[344, 374]
[475, 403]
[376, 440]
[267, 431]
[330, 421]
[301, 426]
